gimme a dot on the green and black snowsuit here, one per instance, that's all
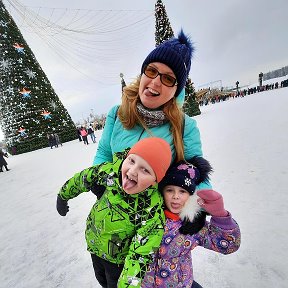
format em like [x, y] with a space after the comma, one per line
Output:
[121, 228]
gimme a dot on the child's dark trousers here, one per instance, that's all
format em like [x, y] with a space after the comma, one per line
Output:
[106, 273]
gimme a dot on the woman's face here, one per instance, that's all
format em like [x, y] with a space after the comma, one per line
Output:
[153, 93]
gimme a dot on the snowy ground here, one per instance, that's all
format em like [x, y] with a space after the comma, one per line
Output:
[245, 140]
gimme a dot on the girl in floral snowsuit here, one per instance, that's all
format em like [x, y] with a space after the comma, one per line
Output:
[172, 266]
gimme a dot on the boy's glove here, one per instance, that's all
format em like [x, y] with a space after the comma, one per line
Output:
[62, 206]
[195, 226]
[98, 190]
[94, 187]
[212, 202]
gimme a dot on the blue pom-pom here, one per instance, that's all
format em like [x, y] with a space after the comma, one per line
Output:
[185, 40]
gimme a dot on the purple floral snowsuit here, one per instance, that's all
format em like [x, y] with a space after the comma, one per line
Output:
[172, 266]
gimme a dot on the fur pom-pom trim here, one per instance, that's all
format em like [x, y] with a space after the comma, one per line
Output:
[191, 208]
[203, 166]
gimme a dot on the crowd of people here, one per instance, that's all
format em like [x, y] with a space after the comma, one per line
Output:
[83, 133]
[155, 202]
[218, 95]
[266, 87]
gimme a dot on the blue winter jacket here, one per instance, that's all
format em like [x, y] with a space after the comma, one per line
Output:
[115, 138]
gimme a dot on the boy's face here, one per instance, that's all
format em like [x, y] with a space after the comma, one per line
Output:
[137, 174]
[175, 198]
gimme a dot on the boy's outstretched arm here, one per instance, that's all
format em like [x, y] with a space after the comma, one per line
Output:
[79, 183]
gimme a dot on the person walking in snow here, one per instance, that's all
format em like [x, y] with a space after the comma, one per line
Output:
[78, 131]
[57, 139]
[3, 162]
[52, 141]
[84, 134]
[91, 133]
[125, 225]
[172, 265]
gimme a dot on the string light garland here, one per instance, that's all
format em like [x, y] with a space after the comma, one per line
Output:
[104, 38]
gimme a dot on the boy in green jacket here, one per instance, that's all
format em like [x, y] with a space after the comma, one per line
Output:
[125, 225]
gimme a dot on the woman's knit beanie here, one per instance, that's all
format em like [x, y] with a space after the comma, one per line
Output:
[156, 152]
[176, 53]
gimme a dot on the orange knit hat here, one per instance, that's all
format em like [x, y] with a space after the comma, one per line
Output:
[156, 152]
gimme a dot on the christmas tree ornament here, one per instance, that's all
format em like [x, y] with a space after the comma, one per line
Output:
[22, 132]
[46, 115]
[19, 48]
[25, 93]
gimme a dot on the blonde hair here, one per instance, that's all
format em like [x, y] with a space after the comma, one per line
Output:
[129, 115]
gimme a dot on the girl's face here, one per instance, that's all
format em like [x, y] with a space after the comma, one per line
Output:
[153, 93]
[175, 198]
[137, 174]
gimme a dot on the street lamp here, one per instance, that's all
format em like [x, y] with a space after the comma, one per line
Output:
[237, 87]
[260, 79]
[123, 84]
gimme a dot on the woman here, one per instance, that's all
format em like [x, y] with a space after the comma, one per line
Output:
[150, 106]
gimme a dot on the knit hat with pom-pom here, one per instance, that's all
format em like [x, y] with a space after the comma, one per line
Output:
[187, 174]
[176, 53]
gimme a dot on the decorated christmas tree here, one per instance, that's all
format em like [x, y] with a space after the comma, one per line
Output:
[190, 106]
[164, 31]
[29, 106]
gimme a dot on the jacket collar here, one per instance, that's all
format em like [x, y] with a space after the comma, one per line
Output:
[170, 215]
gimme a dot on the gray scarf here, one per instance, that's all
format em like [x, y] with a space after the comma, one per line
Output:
[152, 118]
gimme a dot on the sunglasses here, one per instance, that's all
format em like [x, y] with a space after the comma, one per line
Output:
[165, 79]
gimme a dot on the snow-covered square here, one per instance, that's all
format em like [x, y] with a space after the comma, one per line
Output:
[245, 139]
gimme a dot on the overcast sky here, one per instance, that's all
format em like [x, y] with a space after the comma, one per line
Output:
[235, 40]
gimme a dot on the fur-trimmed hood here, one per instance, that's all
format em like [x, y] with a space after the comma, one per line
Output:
[191, 209]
